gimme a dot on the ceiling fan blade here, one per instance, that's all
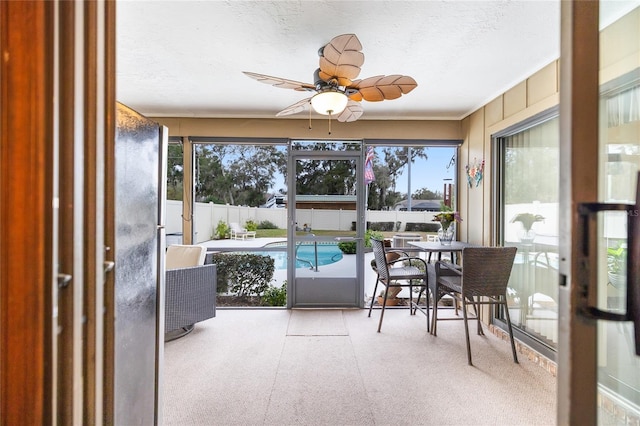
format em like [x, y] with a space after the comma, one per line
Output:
[295, 108]
[381, 87]
[341, 59]
[355, 95]
[352, 112]
[280, 82]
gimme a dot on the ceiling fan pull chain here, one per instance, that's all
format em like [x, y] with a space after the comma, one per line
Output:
[309, 117]
[329, 122]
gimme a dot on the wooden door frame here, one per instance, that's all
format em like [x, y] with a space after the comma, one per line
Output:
[26, 225]
[579, 100]
[57, 88]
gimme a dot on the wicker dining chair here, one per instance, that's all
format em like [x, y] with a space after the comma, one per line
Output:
[482, 280]
[399, 276]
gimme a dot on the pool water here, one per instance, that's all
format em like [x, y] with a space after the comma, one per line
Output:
[328, 253]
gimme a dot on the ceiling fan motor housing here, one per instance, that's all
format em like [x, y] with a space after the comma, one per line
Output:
[322, 85]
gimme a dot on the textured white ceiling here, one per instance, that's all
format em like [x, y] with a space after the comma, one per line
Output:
[185, 58]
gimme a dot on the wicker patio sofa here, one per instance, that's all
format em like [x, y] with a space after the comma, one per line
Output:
[190, 290]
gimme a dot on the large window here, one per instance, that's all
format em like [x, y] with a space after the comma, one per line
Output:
[528, 205]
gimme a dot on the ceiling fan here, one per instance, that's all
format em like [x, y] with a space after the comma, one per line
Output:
[337, 92]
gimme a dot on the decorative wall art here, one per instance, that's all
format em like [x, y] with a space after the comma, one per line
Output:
[475, 172]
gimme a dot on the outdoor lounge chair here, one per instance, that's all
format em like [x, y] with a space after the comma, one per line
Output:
[401, 276]
[482, 280]
[190, 290]
[239, 233]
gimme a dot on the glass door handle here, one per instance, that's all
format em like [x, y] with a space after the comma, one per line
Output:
[587, 212]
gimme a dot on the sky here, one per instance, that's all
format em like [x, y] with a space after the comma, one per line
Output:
[429, 173]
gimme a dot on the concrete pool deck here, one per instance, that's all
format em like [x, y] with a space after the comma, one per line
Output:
[212, 245]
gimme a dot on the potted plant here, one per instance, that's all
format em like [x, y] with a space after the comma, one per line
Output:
[617, 265]
[222, 230]
[250, 225]
[392, 300]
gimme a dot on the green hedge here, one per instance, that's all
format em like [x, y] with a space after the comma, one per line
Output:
[275, 296]
[350, 247]
[266, 224]
[422, 226]
[380, 226]
[243, 274]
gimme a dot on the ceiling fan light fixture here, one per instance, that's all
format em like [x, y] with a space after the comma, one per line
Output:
[329, 103]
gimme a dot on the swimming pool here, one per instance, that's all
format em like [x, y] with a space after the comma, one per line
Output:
[328, 253]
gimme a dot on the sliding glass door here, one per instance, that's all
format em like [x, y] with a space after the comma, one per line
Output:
[619, 147]
[598, 365]
[529, 183]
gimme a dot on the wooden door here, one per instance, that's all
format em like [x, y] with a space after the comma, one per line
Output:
[57, 108]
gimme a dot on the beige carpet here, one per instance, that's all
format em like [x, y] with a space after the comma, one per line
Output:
[330, 367]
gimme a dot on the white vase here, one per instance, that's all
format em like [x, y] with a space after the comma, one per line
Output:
[527, 236]
[445, 235]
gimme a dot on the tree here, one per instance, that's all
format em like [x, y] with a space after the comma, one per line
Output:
[253, 171]
[397, 158]
[236, 174]
[318, 176]
[331, 177]
[212, 183]
[382, 191]
[174, 172]
[427, 194]
[244, 174]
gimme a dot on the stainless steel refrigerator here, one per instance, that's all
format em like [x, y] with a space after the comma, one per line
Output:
[140, 158]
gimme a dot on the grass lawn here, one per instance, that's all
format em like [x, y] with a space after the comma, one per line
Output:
[271, 233]
[282, 233]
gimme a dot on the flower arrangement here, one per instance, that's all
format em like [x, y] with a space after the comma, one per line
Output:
[446, 219]
[527, 220]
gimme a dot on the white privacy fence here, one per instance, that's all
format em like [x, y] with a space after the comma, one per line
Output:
[207, 215]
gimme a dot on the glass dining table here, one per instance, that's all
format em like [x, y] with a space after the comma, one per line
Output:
[430, 247]
[455, 248]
